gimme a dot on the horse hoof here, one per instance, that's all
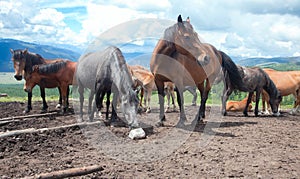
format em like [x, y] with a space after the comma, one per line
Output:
[159, 124]
[224, 113]
[58, 106]
[43, 111]
[180, 124]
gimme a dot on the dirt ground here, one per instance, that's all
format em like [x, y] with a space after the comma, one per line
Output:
[222, 147]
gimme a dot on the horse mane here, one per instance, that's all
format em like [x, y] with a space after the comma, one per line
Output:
[52, 67]
[235, 74]
[125, 76]
[32, 59]
[270, 86]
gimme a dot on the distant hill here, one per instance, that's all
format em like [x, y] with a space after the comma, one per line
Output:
[279, 63]
[45, 51]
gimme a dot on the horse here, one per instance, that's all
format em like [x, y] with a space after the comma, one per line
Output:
[287, 82]
[23, 61]
[253, 80]
[146, 81]
[104, 72]
[61, 72]
[179, 56]
[237, 106]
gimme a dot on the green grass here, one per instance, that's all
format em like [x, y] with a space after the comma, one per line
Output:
[15, 92]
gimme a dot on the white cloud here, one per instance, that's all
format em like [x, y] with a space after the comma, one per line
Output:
[239, 27]
[48, 17]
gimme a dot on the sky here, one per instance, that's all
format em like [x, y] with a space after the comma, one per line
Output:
[246, 28]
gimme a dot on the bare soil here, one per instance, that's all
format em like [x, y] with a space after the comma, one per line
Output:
[221, 147]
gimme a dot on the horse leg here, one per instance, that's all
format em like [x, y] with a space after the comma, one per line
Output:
[193, 91]
[161, 94]
[90, 110]
[29, 107]
[99, 98]
[64, 89]
[58, 106]
[263, 102]
[68, 93]
[245, 112]
[45, 106]
[81, 99]
[114, 116]
[141, 99]
[180, 100]
[168, 99]
[173, 100]
[204, 97]
[226, 93]
[148, 96]
[107, 103]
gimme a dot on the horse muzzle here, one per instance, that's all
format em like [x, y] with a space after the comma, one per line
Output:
[18, 77]
[203, 61]
[28, 90]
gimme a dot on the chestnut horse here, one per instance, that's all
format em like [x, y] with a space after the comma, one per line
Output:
[145, 79]
[23, 61]
[237, 106]
[180, 57]
[287, 82]
[61, 72]
[253, 80]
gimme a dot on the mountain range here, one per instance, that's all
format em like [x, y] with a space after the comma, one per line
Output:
[46, 51]
[134, 54]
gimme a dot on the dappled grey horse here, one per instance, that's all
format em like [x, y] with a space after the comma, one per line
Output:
[104, 72]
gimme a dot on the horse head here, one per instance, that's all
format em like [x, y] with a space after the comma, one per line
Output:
[181, 38]
[275, 97]
[31, 79]
[19, 60]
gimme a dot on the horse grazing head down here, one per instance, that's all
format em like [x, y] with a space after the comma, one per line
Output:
[181, 38]
[19, 60]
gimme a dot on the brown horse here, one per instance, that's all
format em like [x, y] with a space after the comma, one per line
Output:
[238, 106]
[287, 82]
[61, 72]
[23, 61]
[180, 57]
[146, 80]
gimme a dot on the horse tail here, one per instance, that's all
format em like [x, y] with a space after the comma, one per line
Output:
[231, 71]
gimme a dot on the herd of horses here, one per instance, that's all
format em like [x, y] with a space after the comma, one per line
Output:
[180, 61]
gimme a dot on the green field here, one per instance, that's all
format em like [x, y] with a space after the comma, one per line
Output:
[15, 92]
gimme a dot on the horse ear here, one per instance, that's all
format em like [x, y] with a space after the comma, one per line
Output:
[25, 51]
[179, 19]
[188, 19]
[11, 51]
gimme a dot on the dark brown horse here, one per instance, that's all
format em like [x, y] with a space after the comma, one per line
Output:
[180, 57]
[23, 61]
[253, 80]
[61, 72]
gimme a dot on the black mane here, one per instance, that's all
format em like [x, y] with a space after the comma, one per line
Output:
[52, 67]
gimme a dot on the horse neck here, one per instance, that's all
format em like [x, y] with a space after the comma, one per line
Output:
[31, 60]
[271, 88]
[123, 81]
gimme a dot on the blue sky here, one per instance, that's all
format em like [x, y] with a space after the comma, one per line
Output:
[248, 28]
